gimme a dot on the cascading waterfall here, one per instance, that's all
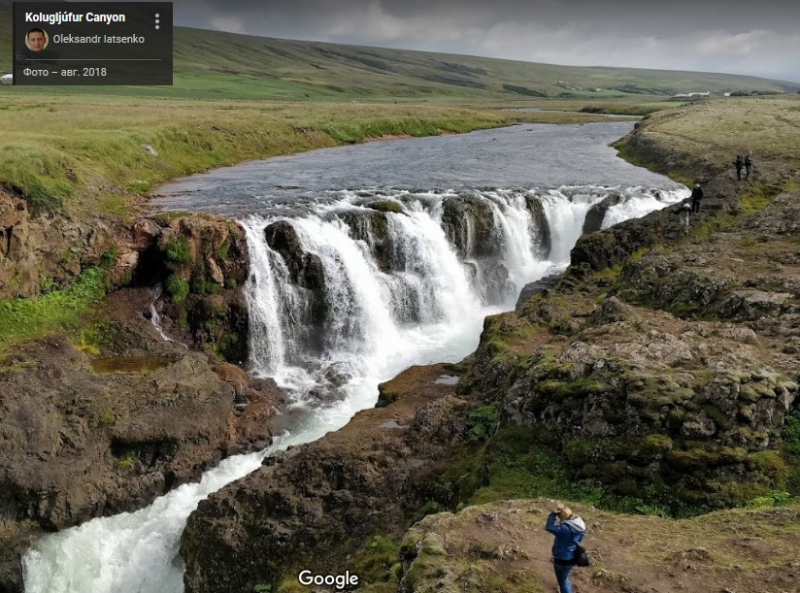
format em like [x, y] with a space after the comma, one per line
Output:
[155, 317]
[566, 219]
[264, 305]
[342, 296]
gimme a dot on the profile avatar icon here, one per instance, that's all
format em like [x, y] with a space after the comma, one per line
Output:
[36, 40]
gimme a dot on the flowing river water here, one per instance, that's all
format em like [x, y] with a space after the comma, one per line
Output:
[362, 294]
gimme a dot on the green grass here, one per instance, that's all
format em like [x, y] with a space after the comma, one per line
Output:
[25, 319]
[178, 251]
[177, 288]
[791, 433]
[715, 131]
[374, 562]
[481, 422]
[629, 107]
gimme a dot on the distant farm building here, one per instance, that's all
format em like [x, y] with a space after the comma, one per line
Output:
[690, 95]
[7, 79]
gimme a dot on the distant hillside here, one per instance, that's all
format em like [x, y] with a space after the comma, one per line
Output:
[211, 63]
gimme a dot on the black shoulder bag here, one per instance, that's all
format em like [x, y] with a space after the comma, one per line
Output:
[581, 556]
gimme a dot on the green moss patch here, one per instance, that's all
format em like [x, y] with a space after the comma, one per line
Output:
[177, 288]
[30, 319]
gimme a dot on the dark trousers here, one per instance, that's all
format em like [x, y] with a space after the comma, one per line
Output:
[747, 174]
[695, 206]
[739, 173]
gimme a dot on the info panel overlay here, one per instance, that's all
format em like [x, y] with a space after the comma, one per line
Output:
[92, 43]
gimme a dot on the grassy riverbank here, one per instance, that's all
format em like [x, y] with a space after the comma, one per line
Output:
[85, 155]
[716, 131]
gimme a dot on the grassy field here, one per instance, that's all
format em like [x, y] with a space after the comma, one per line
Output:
[769, 127]
[216, 65]
[713, 132]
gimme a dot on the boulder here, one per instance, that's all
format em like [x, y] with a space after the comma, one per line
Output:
[533, 288]
[597, 213]
[469, 224]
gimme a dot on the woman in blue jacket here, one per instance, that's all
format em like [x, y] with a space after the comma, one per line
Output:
[569, 532]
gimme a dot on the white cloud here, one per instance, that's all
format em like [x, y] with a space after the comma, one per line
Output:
[714, 43]
[232, 24]
[375, 24]
[759, 52]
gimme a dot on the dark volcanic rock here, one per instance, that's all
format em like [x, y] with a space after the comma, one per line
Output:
[680, 413]
[35, 247]
[610, 311]
[533, 288]
[597, 213]
[306, 269]
[609, 247]
[371, 226]
[690, 405]
[469, 224]
[203, 265]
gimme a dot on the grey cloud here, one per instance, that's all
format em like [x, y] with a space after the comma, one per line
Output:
[737, 36]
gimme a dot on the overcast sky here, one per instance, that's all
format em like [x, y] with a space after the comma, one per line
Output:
[758, 37]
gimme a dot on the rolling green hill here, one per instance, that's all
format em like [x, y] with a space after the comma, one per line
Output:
[226, 65]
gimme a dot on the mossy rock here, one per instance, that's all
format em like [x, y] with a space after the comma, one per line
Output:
[657, 443]
[386, 206]
[386, 396]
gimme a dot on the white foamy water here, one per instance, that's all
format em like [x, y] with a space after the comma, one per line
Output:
[405, 295]
[155, 317]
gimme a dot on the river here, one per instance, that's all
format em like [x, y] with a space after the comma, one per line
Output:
[343, 296]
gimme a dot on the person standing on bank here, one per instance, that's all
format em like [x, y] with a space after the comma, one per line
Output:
[739, 164]
[748, 165]
[697, 195]
[568, 533]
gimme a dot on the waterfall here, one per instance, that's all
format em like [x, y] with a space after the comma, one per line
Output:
[155, 317]
[342, 296]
